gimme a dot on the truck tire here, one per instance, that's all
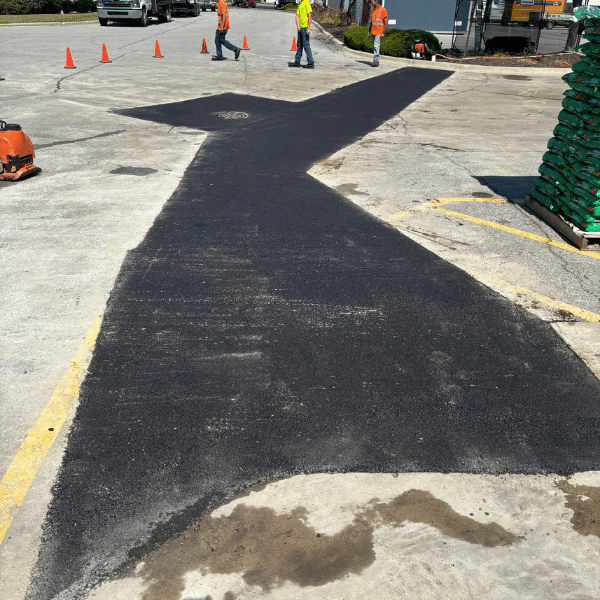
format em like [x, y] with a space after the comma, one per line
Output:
[144, 18]
[103, 22]
[166, 15]
[549, 24]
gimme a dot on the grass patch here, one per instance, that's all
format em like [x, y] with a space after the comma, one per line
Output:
[72, 18]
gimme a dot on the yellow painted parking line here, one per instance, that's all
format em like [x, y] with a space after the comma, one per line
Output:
[525, 234]
[439, 202]
[20, 475]
[585, 315]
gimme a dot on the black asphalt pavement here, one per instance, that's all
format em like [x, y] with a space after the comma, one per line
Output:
[267, 327]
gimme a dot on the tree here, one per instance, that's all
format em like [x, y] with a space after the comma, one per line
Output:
[20, 7]
[349, 12]
[574, 30]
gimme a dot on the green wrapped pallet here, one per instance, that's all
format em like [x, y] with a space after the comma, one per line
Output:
[575, 95]
[569, 181]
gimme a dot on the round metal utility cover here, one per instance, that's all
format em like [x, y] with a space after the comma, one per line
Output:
[231, 115]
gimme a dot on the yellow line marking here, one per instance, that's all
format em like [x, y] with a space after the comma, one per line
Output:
[525, 234]
[20, 475]
[439, 202]
[586, 315]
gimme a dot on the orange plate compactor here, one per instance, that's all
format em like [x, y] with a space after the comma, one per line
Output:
[16, 153]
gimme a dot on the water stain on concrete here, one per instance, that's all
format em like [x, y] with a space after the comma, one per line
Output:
[417, 506]
[584, 501]
[349, 189]
[268, 549]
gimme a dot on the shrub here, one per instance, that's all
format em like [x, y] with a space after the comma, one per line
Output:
[328, 15]
[51, 7]
[19, 7]
[290, 6]
[396, 42]
[84, 6]
[358, 38]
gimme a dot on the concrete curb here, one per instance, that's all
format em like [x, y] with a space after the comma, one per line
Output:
[409, 62]
[49, 23]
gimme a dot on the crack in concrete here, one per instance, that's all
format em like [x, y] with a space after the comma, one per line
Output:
[93, 137]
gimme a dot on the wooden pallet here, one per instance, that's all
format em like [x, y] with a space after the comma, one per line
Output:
[584, 240]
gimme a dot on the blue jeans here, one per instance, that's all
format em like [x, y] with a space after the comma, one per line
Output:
[303, 43]
[376, 46]
[220, 40]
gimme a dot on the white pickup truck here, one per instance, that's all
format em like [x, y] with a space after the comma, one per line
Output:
[549, 19]
[134, 10]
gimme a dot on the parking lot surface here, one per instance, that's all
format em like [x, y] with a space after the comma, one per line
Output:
[448, 171]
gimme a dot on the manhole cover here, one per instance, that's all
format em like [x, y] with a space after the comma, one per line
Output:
[517, 77]
[229, 114]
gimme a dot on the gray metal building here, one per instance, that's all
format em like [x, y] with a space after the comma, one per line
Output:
[429, 15]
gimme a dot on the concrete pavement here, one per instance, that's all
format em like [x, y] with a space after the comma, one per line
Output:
[403, 145]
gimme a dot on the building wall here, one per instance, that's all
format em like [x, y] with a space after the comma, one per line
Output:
[429, 15]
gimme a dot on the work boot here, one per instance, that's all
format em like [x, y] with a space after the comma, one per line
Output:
[294, 64]
[309, 66]
[375, 63]
[218, 58]
[237, 53]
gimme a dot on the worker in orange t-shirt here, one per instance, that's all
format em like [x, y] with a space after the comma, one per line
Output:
[379, 23]
[222, 29]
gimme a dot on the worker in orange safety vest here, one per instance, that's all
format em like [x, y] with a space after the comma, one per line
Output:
[222, 29]
[379, 23]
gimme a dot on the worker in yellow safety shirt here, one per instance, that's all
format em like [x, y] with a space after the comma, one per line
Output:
[303, 21]
[379, 23]
[222, 29]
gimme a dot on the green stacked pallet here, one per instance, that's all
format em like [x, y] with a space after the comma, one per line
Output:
[569, 181]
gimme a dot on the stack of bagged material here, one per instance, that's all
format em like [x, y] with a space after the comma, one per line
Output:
[569, 181]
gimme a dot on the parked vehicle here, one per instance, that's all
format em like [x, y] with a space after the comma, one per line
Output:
[139, 11]
[244, 3]
[519, 11]
[191, 8]
[208, 5]
[549, 20]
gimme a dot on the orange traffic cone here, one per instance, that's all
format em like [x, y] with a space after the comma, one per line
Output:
[245, 46]
[157, 53]
[104, 55]
[204, 48]
[69, 64]
[294, 47]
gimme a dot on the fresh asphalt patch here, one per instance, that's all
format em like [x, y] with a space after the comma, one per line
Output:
[266, 327]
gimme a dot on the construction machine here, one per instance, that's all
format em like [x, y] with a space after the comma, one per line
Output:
[16, 153]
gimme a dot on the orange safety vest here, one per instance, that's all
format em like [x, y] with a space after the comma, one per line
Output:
[223, 13]
[377, 27]
[420, 48]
